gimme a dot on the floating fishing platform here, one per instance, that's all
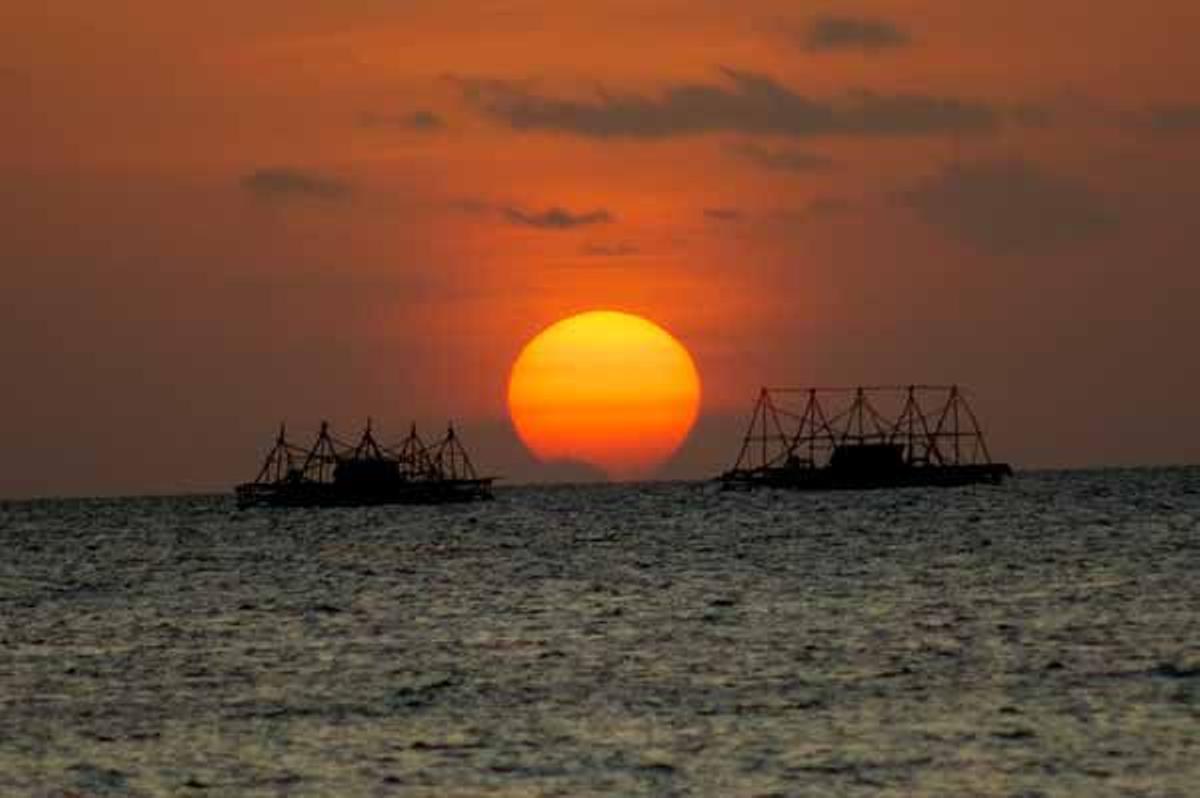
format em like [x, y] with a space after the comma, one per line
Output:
[334, 474]
[864, 437]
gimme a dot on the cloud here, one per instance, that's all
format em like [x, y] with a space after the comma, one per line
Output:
[556, 218]
[289, 182]
[619, 250]
[783, 160]
[1010, 207]
[1180, 118]
[819, 208]
[421, 121]
[1071, 109]
[724, 214]
[1032, 115]
[553, 218]
[751, 103]
[853, 33]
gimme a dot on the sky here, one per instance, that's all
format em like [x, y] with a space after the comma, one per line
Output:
[219, 216]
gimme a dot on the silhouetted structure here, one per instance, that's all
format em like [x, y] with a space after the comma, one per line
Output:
[880, 437]
[334, 474]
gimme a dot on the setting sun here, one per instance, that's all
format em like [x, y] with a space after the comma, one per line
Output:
[604, 388]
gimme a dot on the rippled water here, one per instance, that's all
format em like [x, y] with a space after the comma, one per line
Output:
[1041, 638]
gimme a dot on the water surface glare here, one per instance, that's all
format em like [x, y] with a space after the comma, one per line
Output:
[1040, 638]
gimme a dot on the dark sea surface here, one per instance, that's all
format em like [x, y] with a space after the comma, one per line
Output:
[1039, 638]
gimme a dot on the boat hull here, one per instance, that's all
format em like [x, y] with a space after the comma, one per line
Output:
[334, 495]
[816, 479]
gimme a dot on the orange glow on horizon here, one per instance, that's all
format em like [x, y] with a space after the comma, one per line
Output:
[604, 388]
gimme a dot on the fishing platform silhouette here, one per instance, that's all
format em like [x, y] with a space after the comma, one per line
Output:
[863, 437]
[331, 473]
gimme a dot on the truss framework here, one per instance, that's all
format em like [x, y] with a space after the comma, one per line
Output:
[444, 460]
[801, 428]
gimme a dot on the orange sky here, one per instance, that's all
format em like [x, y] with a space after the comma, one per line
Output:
[218, 217]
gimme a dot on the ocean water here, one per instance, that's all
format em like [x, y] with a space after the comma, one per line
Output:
[1041, 638]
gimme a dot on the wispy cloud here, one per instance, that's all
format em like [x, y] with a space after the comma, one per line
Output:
[853, 33]
[749, 103]
[1173, 118]
[553, 218]
[823, 207]
[618, 250]
[1010, 207]
[724, 214]
[783, 160]
[420, 121]
[291, 182]
[829, 206]
[556, 218]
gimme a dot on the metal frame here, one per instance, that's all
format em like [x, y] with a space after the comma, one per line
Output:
[445, 460]
[794, 428]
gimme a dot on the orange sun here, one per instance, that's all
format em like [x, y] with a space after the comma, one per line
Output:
[609, 389]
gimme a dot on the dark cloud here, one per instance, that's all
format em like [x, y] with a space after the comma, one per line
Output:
[724, 214]
[783, 160]
[556, 218]
[1173, 118]
[1010, 207]
[1082, 111]
[752, 103]
[819, 208]
[619, 250]
[422, 121]
[853, 33]
[1032, 115]
[289, 182]
[553, 218]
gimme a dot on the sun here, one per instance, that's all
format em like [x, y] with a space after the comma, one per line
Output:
[609, 389]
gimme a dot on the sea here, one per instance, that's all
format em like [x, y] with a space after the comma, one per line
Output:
[1038, 638]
